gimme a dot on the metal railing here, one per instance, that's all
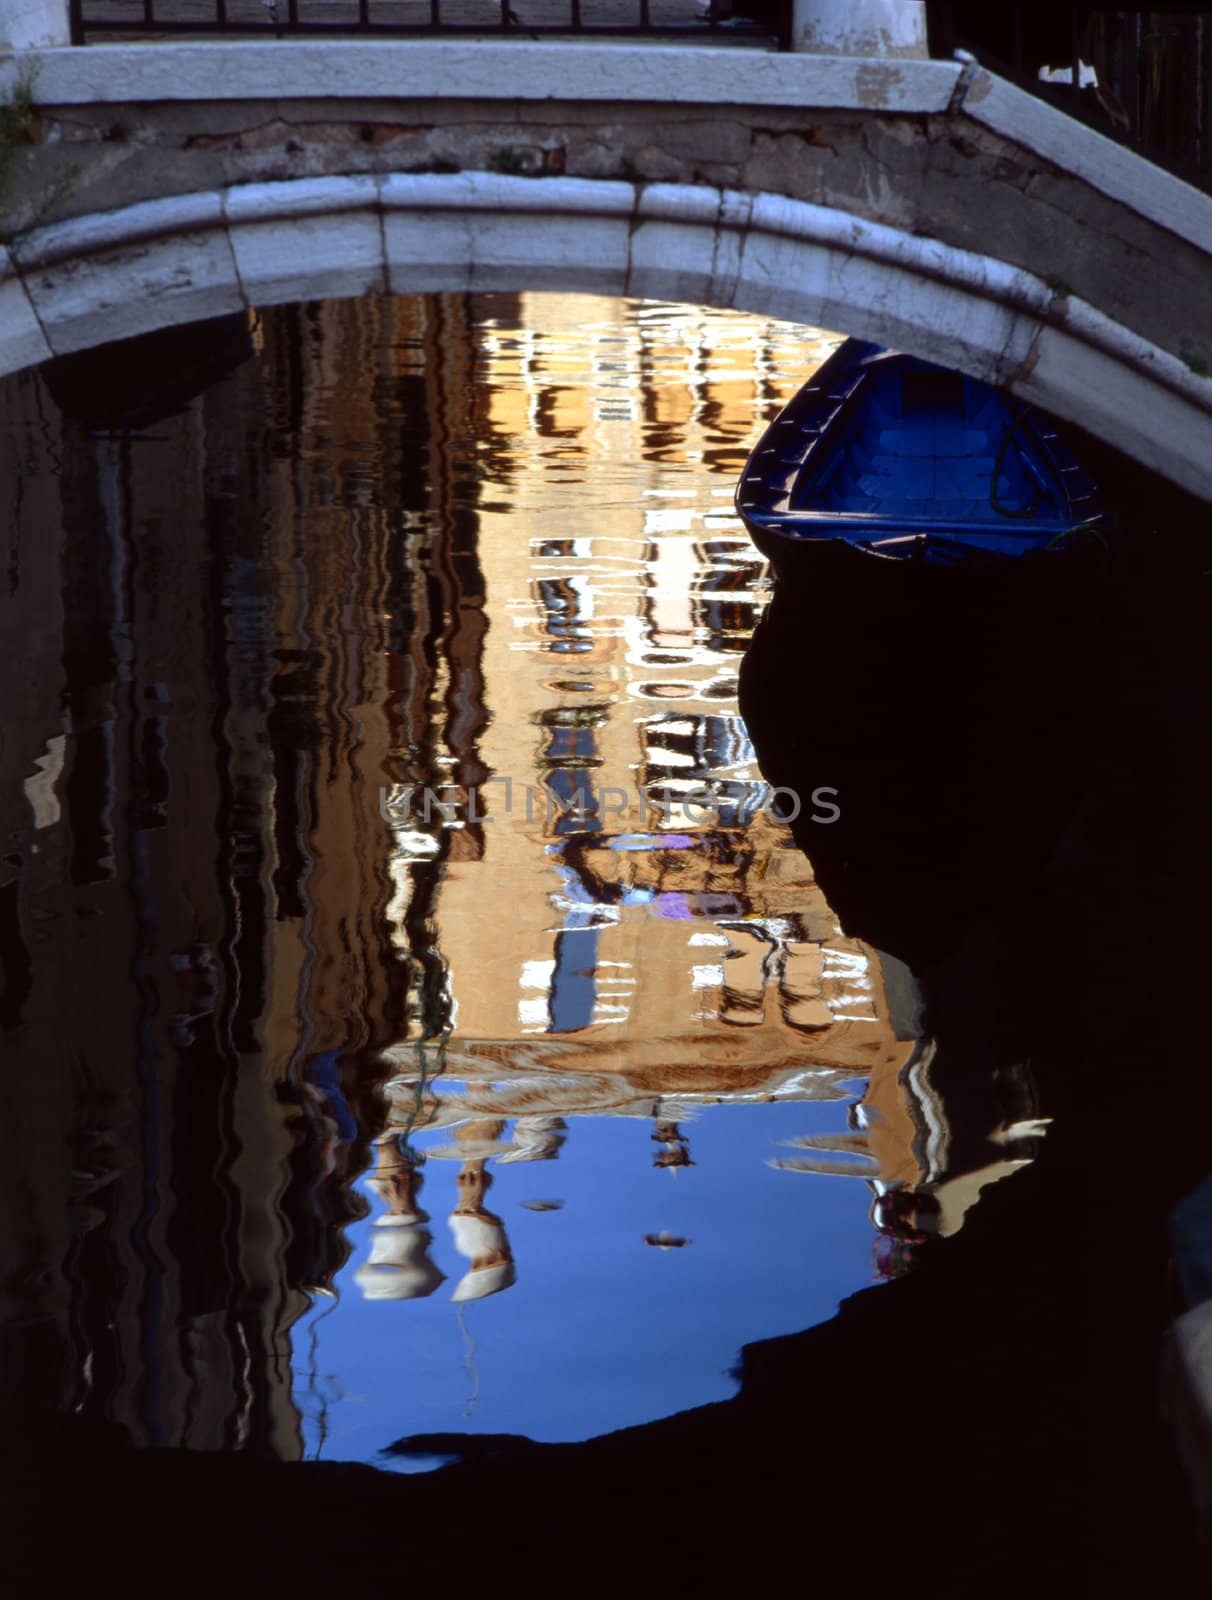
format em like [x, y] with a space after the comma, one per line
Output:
[762, 22]
[1143, 78]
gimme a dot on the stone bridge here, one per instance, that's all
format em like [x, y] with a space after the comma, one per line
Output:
[923, 204]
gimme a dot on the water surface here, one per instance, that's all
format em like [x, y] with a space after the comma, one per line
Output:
[425, 1020]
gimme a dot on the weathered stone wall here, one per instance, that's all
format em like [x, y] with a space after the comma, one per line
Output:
[922, 203]
[936, 176]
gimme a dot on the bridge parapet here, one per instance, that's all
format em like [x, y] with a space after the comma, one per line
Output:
[923, 203]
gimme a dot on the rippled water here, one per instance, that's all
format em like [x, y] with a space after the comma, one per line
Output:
[426, 1022]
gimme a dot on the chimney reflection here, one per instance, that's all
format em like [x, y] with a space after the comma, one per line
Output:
[479, 1234]
[539, 1138]
[398, 1267]
[675, 1147]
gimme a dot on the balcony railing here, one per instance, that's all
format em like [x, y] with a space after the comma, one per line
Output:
[765, 23]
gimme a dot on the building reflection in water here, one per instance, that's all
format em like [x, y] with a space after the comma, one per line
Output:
[480, 547]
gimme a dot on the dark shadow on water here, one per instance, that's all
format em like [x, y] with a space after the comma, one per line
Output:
[1021, 827]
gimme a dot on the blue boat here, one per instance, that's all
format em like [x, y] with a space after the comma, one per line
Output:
[906, 461]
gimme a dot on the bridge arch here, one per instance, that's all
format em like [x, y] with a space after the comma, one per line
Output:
[107, 276]
[920, 204]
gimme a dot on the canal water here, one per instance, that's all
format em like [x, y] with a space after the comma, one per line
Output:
[421, 1020]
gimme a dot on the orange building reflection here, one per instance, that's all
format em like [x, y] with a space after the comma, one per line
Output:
[415, 544]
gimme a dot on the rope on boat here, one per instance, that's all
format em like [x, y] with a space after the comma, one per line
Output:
[1005, 511]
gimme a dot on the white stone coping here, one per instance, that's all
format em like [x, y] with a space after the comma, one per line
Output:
[484, 192]
[89, 235]
[111, 275]
[1079, 150]
[482, 69]
[462, 192]
[521, 71]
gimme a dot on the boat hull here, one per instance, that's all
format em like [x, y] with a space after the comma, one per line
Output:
[911, 465]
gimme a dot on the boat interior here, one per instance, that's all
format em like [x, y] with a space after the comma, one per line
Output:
[918, 445]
